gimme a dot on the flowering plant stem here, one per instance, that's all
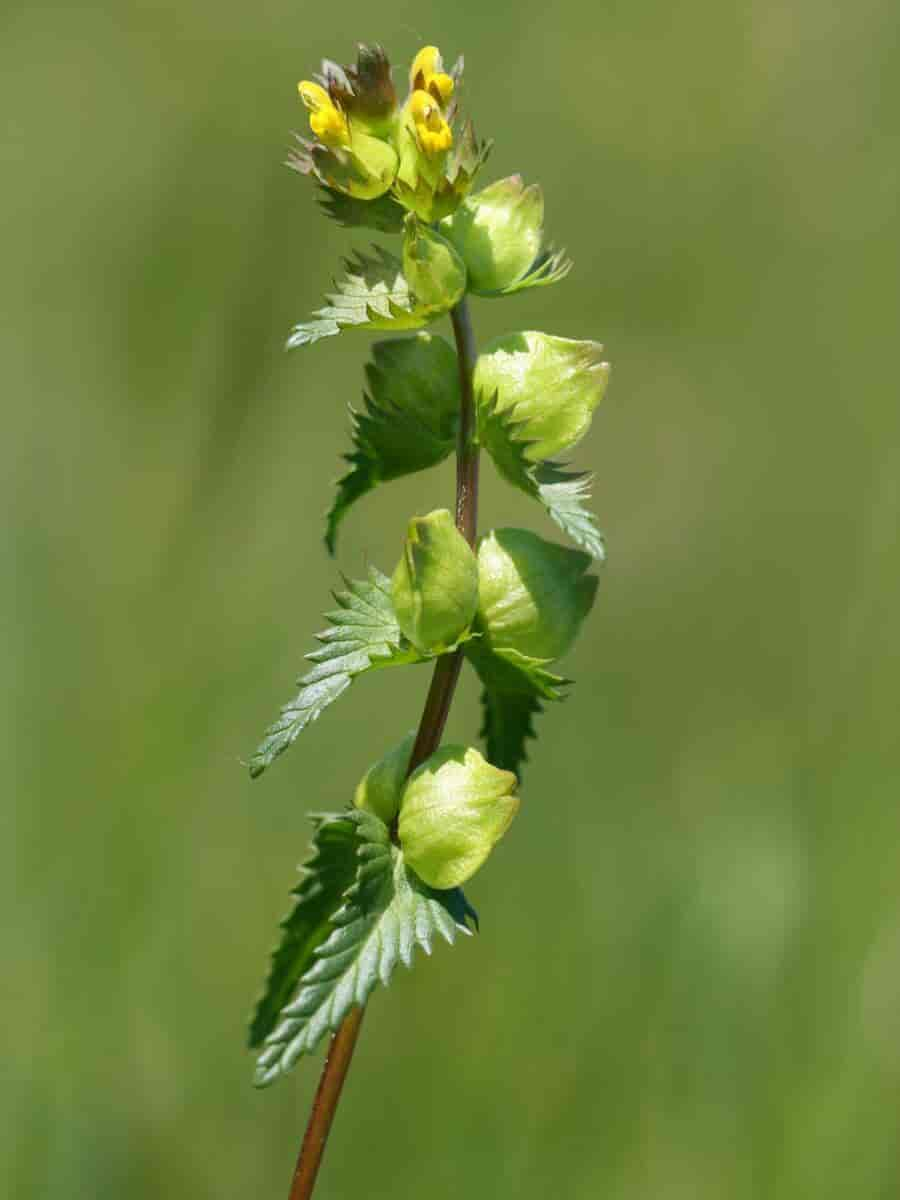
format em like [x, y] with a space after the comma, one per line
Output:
[428, 737]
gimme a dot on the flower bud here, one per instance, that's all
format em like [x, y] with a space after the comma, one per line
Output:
[533, 595]
[433, 270]
[435, 585]
[454, 809]
[379, 789]
[550, 385]
[498, 233]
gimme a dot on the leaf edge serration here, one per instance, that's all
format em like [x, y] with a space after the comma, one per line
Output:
[369, 937]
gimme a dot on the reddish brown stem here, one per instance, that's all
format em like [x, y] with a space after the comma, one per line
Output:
[428, 738]
[337, 1064]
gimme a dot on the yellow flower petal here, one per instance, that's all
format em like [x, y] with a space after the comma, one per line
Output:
[326, 120]
[441, 87]
[427, 62]
[432, 131]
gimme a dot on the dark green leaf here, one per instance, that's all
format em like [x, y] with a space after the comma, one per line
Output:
[408, 421]
[387, 912]
[363, 635]
[514, 688]
[327, 874]
[384, 214]
[506, 726]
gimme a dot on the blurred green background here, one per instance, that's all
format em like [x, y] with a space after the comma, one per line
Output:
[688, 979]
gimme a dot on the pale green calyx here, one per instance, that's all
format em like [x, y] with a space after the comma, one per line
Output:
[455, 808]
[498, 233]
[435, 586]
[364, 169]
[549, 385]
[434, 271]
[379, 789]
[533, 594]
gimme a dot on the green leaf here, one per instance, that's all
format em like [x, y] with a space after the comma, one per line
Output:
[373, 295]
[560, 491]
[408, 421]
[514, 687]
[384, 214]
[506, 727]
[562, 494]
[363, 635]
[387, 912]
[550, 266]
[327, 874]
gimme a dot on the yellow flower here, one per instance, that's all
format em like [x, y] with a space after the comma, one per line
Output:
[432, 131]
[326, 120]
[427, 75]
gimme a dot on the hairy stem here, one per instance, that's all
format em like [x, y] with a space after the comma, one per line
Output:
[428, 738]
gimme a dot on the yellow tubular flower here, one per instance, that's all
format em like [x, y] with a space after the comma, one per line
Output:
[427, 75]
[432, 131]
[326, 120]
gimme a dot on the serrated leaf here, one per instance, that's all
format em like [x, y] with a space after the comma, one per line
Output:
[562, 494]
[550, 266]
[560, 491]
[387, 913]
[373, 295]
[408, 421]
[327, 874]
[506, 727]
[514, 688]
[363, 635]
[384, 214]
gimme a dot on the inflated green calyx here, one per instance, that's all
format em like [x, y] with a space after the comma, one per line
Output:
[455, 808]
[379, 789]
[498, 233]
[550, 387]
[364, 170]
[435, 585]
[434, 271]
[533, 594]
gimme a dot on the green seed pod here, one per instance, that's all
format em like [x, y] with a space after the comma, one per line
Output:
[435, 585]
[498, 233]
[533, 595]
[551, 386]
[455, 808]
[434, 271]
[379, 789]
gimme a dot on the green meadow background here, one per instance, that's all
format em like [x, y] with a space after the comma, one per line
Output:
[687, 985]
